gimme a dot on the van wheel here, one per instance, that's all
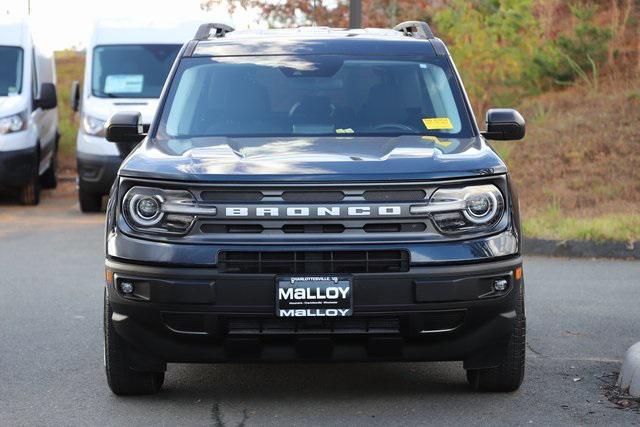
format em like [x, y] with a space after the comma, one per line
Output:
[509, 374]
[121, 378]
[89, 202]
[30, 192]
[50, 178]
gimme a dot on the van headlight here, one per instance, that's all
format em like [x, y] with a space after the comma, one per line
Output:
[14, 123]
[466, 209]
[155, 210]
[92, 126]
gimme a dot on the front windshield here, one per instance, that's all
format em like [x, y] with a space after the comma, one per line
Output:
[131, 71]
[314, 95]
[10, 70]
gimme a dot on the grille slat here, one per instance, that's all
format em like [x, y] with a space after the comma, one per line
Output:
[303, 262]
[313, 196]
[394, 195]
[232, 196]
[300, 327]
[311, 228]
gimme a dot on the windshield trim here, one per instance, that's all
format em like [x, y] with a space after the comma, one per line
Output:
[130, 96]
[20, 76]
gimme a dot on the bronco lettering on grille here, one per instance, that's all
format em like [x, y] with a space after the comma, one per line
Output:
[312, 211]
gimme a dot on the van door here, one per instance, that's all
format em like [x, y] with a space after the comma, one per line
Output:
[44, 120]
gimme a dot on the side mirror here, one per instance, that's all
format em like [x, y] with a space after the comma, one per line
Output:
[504, 124]
[48, 98]
[75, 95]
[124, 128]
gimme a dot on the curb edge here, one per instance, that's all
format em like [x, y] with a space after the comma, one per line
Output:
[581, 248]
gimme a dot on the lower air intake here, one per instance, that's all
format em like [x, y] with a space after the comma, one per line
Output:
[303, 262]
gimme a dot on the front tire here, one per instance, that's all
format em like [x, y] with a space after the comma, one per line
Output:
[509, 374]
[121, 378]
[29, 194]
[89, 202]
[50, 177]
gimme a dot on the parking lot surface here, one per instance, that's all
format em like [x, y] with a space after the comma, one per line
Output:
[582, 315]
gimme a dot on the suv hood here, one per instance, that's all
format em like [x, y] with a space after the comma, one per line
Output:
[312, 159]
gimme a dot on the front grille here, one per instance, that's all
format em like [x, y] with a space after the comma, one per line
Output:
[315, 195]
[394, 195]
[231, 228]
[375, 227]
[231, 196]
[407, 227]
[312, 196]
[340, 212]
[302, 262]
[312, 228]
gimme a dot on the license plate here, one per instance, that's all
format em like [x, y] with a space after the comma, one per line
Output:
[314, 296]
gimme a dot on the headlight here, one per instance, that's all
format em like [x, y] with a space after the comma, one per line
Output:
[160, 211]
[93, 126]
[14, 123]
[469, 209]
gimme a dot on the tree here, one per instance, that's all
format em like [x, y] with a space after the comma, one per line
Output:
[376, 13]
[492, 43]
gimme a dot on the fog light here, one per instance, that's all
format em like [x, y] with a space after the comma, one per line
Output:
[500, 285]
[126, 287]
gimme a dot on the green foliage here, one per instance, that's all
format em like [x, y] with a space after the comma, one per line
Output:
[492, 42]
[578, 55]
[503, 55]
[69, 67]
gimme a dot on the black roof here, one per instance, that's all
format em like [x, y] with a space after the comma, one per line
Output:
[316, 41]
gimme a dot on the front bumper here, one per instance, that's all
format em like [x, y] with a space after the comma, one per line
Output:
[430, 313]
[17, 167]
[96, 173]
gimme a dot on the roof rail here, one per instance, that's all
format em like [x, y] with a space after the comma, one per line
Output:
[205, 30]
[417, 29]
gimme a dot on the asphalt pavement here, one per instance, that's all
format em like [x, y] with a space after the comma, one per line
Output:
[582, 316]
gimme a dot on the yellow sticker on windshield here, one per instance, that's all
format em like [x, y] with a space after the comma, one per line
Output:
[438, 123]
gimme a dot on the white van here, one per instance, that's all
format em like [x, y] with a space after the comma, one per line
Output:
[28, 114]
[126, 65]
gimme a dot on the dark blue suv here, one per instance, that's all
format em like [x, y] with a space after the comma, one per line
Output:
[313, 194]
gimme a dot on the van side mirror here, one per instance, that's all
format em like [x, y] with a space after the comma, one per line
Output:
[48, 98]
[124, 127]
[504, 124]
[75, 95]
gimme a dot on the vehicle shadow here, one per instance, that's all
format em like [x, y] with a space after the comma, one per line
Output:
[10, 198]
[304, 394]
[287, 381]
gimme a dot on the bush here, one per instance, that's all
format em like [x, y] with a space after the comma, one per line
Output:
[578, 54]
[492, 43]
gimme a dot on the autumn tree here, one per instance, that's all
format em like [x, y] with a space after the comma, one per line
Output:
[376, 13]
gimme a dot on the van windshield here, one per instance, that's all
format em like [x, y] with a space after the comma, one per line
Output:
[131, 71]
[340, 95]
[10, 70]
